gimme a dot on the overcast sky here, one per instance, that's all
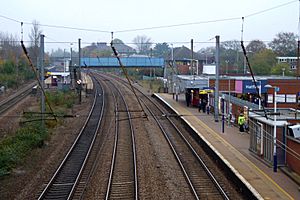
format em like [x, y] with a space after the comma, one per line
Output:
[119, 15]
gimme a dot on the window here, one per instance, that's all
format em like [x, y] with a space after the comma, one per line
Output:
[270, 98]
[291, 98]
[280, 98]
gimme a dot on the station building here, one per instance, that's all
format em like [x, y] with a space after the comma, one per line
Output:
[288, 94]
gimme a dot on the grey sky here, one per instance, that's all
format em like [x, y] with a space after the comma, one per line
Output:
[119, 15]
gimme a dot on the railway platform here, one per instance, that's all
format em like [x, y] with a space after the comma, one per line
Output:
[233, 148]
[87, 81]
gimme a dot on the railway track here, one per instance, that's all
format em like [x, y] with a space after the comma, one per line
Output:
[202, 182]
[68, 174]
[200, 179]
[9, 102]
[122, 182]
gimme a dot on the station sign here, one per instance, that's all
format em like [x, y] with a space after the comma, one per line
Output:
[249, 87]
[206, 91]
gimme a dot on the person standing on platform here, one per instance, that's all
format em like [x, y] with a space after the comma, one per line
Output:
[241, 122]
[199, 105]
[204, 103]
[207, 108]
[188, 98]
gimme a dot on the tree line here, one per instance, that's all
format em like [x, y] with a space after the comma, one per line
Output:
[14, 66]
[262, 55]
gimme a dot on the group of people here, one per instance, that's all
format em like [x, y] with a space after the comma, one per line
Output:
[204, 107]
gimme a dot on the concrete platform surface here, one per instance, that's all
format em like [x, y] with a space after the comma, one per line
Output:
[233, 148]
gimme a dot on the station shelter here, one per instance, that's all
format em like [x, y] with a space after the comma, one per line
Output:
[196, 95]
[192, 96]
[261, 131]
[192, 86]
[57, 79]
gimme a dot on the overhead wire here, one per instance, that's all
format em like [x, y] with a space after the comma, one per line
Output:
[253, 78]
[177, 25]
[56, 26]
[37, 77]
[75, 28]
[206, 22]
[266, 136]
[66, 44]
[126, 75]
[160, 27]
[250, 68]
[153, 27]
[11, 19]
[55, 41]
[269, 9]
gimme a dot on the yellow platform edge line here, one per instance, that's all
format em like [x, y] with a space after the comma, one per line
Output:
[251, 188]
[251, 163]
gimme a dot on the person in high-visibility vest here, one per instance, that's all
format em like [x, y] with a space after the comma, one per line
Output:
[241, 122]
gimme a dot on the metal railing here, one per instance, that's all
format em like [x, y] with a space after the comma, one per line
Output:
[240, 102]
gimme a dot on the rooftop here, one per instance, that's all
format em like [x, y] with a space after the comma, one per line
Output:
[283, 115]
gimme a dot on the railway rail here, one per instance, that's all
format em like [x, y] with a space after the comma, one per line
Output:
[66, 177]
[121, 178]
[9, 102]
[122, 183]
[201, 180]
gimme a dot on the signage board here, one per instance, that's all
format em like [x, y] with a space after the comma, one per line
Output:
[249, 87]
[207, 91]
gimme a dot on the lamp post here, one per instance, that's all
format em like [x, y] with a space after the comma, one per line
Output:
[259, 93]
[276, 89]
[226, 61]
[283, 69]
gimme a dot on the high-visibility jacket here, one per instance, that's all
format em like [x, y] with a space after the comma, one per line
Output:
[241, 120]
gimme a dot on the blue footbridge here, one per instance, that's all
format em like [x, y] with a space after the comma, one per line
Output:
[129, 62]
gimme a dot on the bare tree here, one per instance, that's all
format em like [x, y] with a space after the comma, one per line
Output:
[232, 45]
[142, 43]
[231, 53]
[256, 46]
[284, 44]
[9, 47]
[34, 39]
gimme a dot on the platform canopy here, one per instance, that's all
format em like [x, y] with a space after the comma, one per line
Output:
[112, 62]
